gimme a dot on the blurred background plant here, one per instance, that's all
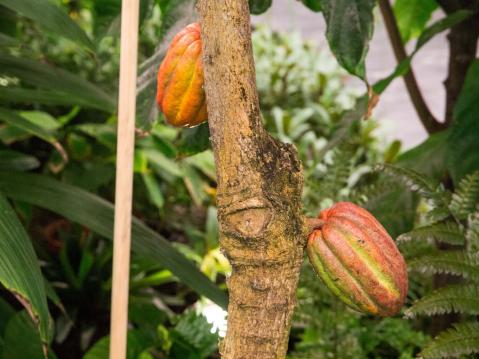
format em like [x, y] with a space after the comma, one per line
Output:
[58, 85]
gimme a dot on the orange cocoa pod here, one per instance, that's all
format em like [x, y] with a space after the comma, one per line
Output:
[358, 261]
[180, 94]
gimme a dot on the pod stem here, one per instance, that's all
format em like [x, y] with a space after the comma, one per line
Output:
[312, 224]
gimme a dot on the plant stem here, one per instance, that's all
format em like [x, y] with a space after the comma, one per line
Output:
[425, 116]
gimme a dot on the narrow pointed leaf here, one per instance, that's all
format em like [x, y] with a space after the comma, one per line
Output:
[97, 214]
[52, 17]
[19, 269]
[58, 80]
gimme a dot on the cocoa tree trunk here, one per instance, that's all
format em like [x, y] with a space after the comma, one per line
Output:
[260, 181]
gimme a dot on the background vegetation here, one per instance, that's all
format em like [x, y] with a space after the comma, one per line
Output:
[58, 86]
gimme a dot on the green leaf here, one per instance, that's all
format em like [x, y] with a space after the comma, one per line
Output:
[349, 29]
[466, 197]
[448, 261]
[51, 17]
[6, 313]
[58, 80]
[97, 214]
[448, 232]
[412, 16]
[393, 206]
[428, 157]
[463, 142]
[194, 183]
[101, 348]
[314, 5]
[6, 40]
[153, 189]
[19, 270]
[463, 339]
[413, 180]
[21, 340]
[455, 298]
[17, 161]
[439, 26]
[17, 120]
[257, 7]
[26, 124]
[46, 97]
[192, 337]
[193, 140]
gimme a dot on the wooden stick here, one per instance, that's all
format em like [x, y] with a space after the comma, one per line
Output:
[124, 178]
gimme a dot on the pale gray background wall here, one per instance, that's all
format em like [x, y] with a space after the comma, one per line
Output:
[395, 111]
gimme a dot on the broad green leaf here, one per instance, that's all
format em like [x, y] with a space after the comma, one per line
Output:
[29, 126]
[463, 142]
[439, 26]
[17, 120]
[100, 349]
[6, 312]
[46, 97]
[349, 29]
[412, 16]
[6, 40]
[8, 21]
[51, 17]
[19, 270]
[257, 7]
[428, 157]
[314, 5]
[97, 214]
[58, 80]
[17, 161]
[21, 340]
[193, 140]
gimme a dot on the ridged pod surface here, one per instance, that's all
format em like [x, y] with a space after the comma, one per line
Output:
[180, 93]
[358, 260]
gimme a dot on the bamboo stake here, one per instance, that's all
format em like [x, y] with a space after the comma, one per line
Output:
[124, 178]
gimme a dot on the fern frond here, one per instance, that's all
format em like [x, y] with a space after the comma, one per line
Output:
[445, 232]
[472, 233]
[456, 298]
[414, 181]
[466, 197]
[452, 262]
[463, 339]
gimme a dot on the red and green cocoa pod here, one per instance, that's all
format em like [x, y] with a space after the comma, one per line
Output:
[357, 259]
[180, 94]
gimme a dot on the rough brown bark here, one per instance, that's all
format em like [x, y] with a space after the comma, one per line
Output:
[259, 191]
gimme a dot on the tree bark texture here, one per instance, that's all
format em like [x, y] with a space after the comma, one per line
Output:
[260, 182]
